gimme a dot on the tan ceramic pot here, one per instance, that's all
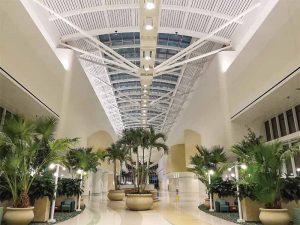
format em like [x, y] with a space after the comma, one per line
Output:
[274, 216]
[207, 203]
[116, 195]
[18, 216]
[139, 202]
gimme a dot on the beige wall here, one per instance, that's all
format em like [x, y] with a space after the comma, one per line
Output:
[176, 159]
[191, 139]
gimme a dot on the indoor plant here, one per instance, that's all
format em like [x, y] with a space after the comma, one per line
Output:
[264, 175]
[26, 148]
[143, 141]
[206, 160]
[116, 152]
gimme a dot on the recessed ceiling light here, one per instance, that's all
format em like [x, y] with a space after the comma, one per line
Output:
[146, 67]
[147, 55]
[145, 91]
[149, 23]
[149, 4]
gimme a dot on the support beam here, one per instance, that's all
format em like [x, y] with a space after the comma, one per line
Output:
[117, 71]
[195, 45]
[98, 57]
[84, 33]
[194, 58]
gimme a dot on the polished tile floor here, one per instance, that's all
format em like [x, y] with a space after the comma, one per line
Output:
[170, 210]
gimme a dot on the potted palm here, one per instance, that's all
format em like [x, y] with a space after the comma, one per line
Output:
[82, 160]
[206, 160]
[26, 148]
[116, 152]
[265, 178]
[145, 141]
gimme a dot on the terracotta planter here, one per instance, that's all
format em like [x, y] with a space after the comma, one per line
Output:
[18, 216]
[116, 195]
[274, 216]
[139, 202]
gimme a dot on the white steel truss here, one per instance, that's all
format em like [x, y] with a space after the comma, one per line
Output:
[114, 63]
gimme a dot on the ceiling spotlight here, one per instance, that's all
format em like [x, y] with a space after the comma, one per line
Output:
[149, 23]
[147, 55]
[145, 91]
[144, 105]
[146, 68]
[149, 4]
[144, 111]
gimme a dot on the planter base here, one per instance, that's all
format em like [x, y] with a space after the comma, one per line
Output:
[18, 216]
[139, 202]
[274, 216]
[116, 195]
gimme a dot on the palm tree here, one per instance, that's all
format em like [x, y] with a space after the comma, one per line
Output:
[129, 141]
[207, 159]
[155, 141]
[26, 147]
[114, 153]
[82, 158]
[143, 139]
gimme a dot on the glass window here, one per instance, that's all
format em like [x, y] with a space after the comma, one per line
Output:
[297, 108]
[297, 164]
[274, 128]
[268, 132]
[289, 167]
[282, 125]
[1, 112]
[8, 115]
[290, 120]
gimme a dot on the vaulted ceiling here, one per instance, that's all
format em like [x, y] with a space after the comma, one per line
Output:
[112, 42]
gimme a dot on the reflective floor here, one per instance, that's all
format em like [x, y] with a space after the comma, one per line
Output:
[170, 210]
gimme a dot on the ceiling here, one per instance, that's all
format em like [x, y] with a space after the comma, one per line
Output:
[107, 36]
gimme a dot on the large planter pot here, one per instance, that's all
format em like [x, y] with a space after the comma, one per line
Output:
[41, 209]
[18, 216]
[274, 216]
[116, 195]
[207, 203]
[139, 202]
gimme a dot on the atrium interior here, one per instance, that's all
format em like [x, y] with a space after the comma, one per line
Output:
[142, 112]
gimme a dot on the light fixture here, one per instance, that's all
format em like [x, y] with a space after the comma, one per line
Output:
[56, 174]
[149, 4]
[145, 91]
[244, 166]
[211, 172]
[79, 171]
[149, 23]
[145, 85]
[51, 166]
[144, 111]
[144, 105]
[146, 68]
[233, 175]
[145, 100]
[147, 55]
